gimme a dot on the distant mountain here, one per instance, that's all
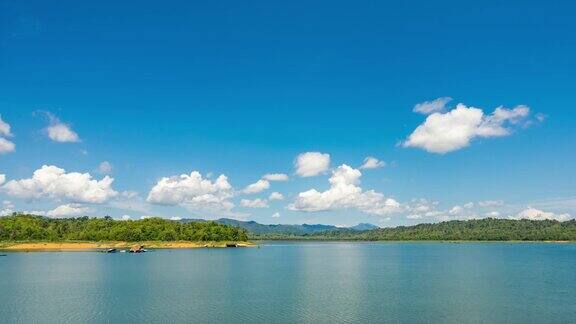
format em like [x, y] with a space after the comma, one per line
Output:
[259, 229]
[363, 227]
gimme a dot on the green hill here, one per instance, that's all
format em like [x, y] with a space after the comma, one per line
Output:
[20, 227]
[488, 229]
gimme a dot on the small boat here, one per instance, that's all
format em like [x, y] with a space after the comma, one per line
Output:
[3, 254]
[111, 251]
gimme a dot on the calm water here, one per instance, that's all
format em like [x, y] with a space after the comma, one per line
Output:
[296, 283]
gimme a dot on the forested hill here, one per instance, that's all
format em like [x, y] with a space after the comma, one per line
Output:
[488, 229]
[260, 229]
[21, 227]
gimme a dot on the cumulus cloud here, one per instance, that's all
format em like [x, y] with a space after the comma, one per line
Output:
[257, 186]
[490, 203]
[275, 177]
[6, 146]
[455, 129]
[536, 214]
[2, 178]
[456, 210]
[53, 182]
[420, 208]
[7, 208]
[59, 131]
[68, 210]
[126, 217]
[310, 164]
[255, 203]
[345, 193]
[372, 163]
[276, 196]
[4, 128]
[276, 215]
[426, 209]
[105, 167]
[193, 191]
[429, 107]
[492, 214]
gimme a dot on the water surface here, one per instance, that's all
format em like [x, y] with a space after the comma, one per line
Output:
[296, 283]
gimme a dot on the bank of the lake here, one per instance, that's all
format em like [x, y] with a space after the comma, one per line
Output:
[87, 246]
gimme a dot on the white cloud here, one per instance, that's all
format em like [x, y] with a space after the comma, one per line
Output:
[6, 146]
[490, 203]
[276, 215]
[105, 167]
[59, 131]
[126, 217]
[255, 203]
[7, 208]
[256, 187]
[62, 133]
[276, 196]
[421, 209]
[425, 209]
[275, 177]
[193, 192]
[175, 218]
[372, 163]
[540, 117]
[536, 214]
[345, 193]
[429, 107]
[310, 164]
[455, 129]
[68, 210]
[2, 178]
[53, 182]
[4, 128]
[493, 214]
[456, 210]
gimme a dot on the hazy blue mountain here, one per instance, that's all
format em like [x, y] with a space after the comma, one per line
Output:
[258, 228]
[363, 227]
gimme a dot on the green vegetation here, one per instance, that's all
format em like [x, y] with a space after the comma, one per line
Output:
[489, 229]
[21, 227]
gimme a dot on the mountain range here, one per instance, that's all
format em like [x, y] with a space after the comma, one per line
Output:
[296, 229]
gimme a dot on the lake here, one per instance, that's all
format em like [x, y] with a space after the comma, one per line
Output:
[296, 282]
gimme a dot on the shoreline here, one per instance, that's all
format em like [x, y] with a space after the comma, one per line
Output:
[95, 246]
[79, 246]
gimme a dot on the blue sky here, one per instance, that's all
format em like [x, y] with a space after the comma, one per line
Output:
[243, 88]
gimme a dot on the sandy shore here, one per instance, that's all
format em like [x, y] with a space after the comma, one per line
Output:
[89, 246]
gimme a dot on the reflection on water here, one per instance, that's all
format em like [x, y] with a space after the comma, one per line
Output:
[295, 283]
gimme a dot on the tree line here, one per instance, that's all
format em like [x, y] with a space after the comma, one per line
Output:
[488, 229]
[22, 227]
